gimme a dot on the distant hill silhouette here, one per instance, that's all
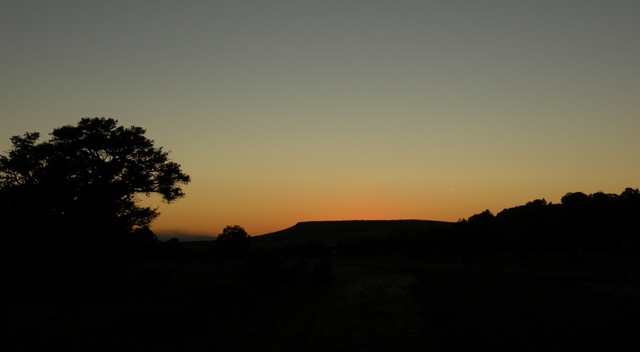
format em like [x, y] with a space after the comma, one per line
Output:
[344, 231]
[185, 237]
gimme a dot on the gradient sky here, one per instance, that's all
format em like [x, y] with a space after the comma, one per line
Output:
[287, 111]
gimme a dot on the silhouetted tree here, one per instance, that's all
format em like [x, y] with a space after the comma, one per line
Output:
[602, 198]
[483, 219]
[173, 251]
[575, 199]
[630, 196]
[93, 171]
[233, 242]
[537, 203]
[144, 235]
[143, 243]
[82, 186]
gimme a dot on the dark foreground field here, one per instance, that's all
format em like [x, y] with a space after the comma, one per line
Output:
[506, 310]
[370, 304]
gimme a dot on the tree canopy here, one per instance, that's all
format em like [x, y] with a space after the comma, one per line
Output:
[88, 175]
[233, 242]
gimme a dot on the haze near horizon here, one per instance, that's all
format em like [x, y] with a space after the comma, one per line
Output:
[289, 111]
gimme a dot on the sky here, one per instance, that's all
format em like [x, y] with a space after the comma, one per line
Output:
[289, 111]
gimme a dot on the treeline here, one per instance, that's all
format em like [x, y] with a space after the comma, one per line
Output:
[289, 264]
[582, 224]
[597, 223]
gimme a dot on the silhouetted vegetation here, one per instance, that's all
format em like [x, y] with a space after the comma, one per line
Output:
[233, 243]
[582, 224]
[588, 224]
[73, 200]
[323, 284]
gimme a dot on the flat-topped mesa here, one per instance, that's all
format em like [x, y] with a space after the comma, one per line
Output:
[339, 231]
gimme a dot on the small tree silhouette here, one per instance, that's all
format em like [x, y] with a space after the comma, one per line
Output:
[233, 242]
[575, 199]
